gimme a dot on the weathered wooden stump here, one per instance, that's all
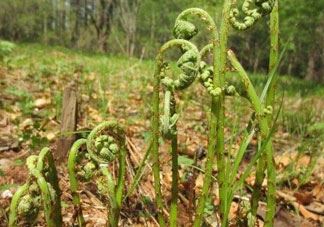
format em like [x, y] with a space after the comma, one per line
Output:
[68, 122]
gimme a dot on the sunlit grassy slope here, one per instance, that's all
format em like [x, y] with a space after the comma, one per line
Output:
[45, 59]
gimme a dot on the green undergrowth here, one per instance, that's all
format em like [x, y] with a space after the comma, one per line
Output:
[114, 82]
[288, 85]
[59, 60]
[51, 58]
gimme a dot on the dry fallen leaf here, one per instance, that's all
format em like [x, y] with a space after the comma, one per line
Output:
[318, 193]
[50, 136]
[5, 164]
[42, 102]
[307, 214]
[303, 161]
[304, 198]
[26, 123]
[7, 194]
[199, 181]
[285, 159]
[285, 218]
[316, 207]
[94, 114]
[233, 210]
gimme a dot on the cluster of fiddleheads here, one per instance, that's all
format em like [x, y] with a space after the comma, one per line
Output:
[253, 10]
[90, 158]
[212, 77]
[41, 191]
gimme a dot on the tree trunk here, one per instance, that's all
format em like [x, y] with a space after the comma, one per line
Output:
[77, 14]
[45, 37]
[128, 15]
[86, 13]
[311, 67]
[103, 41]
[102, 22]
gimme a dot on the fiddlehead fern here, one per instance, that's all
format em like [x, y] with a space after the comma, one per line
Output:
[206, 73]
[187, 30]
[206, 79]
[40, 191]
[184, 29]
[103, 148]
[212, 79]
[105, 143]
[189, 64]
[253, 10]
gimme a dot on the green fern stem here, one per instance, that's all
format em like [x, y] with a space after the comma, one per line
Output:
[262, 8]
[155, 139]
[73, 179]
[266, 161]
[222, 162]
[270, 99]
[119, 150]
[274, 51]
[170, 110]
[13, 215]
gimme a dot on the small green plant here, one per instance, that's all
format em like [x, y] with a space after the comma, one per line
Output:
[5, 49]
[297, 122]
[24, 98]
[40, 191]
[105, 143]
[311, 144]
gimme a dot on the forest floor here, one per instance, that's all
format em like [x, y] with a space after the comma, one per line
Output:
[109, 87]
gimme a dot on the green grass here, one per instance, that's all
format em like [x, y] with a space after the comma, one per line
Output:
[287, 85]
[49, 60]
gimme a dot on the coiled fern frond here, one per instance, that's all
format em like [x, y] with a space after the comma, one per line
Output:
[105, 141]
[184, 29]
[252, 11]
[89, 158]
[41, 191]
[188, 64]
